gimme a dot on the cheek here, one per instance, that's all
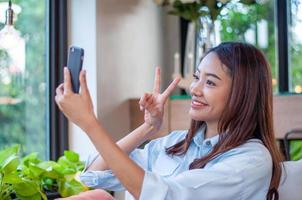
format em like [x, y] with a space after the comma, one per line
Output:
[221, 100]
[217, 99]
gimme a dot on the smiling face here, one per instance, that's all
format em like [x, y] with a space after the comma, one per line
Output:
[210, 90]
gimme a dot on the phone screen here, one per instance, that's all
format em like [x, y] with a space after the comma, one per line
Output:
[74, 64]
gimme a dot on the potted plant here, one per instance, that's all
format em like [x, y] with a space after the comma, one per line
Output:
[30, 178]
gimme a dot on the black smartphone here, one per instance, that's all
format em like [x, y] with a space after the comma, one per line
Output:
[74, 64]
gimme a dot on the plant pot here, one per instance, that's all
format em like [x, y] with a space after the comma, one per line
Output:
[52, 195]
[49, 195]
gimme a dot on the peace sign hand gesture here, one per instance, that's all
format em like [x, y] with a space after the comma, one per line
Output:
[153, 103]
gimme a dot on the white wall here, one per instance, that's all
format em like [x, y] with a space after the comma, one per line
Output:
[130, 46]
[82, 32]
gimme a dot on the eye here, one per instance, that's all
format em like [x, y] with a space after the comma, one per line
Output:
[195, 77]
[210, 83]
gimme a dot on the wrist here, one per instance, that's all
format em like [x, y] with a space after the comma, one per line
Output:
[149, 130]
[90, 124]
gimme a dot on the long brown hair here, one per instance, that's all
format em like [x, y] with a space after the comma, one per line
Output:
[248, 113]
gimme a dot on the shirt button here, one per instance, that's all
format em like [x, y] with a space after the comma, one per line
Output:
[208, 143]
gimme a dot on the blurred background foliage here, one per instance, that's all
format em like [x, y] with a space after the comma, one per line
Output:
[25, 122]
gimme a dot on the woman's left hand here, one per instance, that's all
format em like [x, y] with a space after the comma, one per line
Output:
[78, 108]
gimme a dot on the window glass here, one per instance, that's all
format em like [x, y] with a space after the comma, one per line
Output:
[253, 23]
[23, 80]
[295, 46]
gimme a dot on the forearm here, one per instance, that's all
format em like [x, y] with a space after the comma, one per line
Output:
[129, 173]
[127, 144]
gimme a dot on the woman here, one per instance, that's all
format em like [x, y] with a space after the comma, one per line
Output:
[229, 152]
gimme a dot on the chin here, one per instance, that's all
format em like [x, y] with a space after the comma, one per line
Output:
[197, 116]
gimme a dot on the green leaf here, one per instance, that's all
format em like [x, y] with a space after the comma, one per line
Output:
[36, 196]
[10, 164]
[52, 169]
[36, 170]
[68, 167]
[4, 154]
[26, 188]
[71, 156]
[12, 178]
[31, 158]
[50, 165]
[69, 188]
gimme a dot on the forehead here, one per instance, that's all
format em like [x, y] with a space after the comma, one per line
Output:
[211, 64]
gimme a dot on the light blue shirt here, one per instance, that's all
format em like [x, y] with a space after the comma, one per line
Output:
[240, 173]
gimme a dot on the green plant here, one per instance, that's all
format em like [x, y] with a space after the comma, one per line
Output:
[30, 178]
[192, 10]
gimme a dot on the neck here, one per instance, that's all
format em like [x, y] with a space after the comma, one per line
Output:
[211, 130]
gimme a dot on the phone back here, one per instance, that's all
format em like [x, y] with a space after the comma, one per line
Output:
[74, 64]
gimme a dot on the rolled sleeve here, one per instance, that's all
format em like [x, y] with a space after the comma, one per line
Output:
[101, 180]
[106, 179]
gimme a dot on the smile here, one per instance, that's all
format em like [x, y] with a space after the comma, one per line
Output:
[197, 104]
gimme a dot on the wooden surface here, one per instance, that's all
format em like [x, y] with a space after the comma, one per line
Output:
[287, 115]
[179, 114]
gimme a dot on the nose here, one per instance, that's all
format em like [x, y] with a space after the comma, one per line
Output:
[196, 88]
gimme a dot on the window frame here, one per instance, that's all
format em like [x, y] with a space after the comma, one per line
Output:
[282, 45]
[57, 56]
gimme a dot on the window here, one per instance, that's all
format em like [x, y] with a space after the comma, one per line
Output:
[295, 46]
[254, 24]
[23, 81]
[29, 73]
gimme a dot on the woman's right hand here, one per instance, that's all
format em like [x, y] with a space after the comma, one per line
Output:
[153, 103]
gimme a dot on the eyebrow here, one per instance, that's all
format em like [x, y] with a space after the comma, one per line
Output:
[210, 74]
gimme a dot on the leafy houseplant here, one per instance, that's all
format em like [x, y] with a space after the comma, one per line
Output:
[32, 179]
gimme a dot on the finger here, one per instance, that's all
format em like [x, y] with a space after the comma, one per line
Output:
[170, 88]
[83, 83]
[149, 101]
[143, 101]
[156, 87]
[60, 89]
[150, 104]
[57, 100]
[67, 81]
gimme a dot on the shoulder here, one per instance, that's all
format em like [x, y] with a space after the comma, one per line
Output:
[251, 155]
[256, 151]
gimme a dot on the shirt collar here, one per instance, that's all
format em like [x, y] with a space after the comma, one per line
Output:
[200, 141]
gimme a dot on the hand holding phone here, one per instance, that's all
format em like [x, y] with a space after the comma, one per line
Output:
[74, 64]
